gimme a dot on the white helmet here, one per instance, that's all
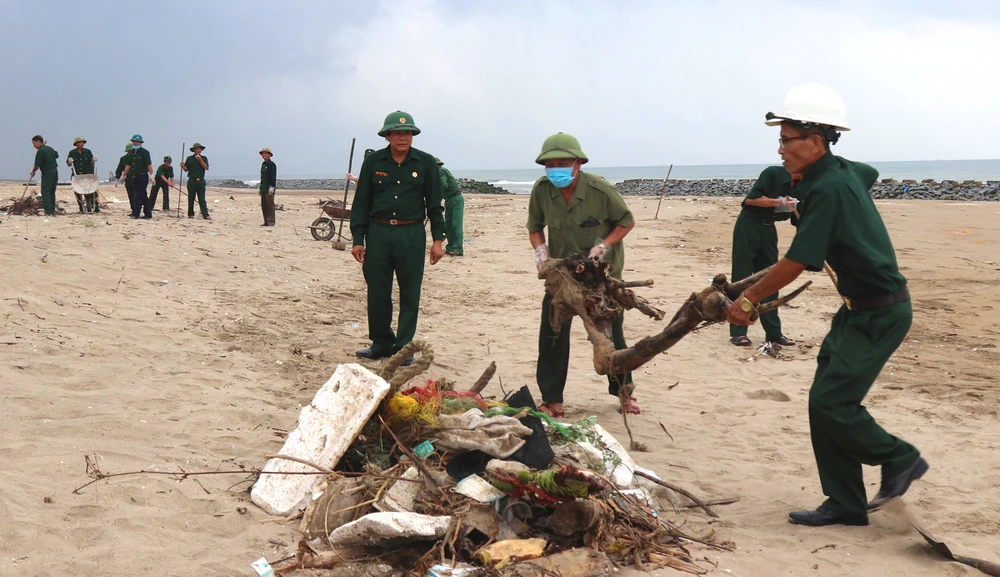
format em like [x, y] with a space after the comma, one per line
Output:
[814, 104]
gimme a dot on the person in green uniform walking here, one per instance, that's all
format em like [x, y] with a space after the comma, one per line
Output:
[454, 209]
[755, 243]
[45, 160]
[398, 187]
[839, 224]
[82, 162]
[268, 185]
[121, 171]
[585, 214]
[140, 166]
[196, 165]
[164, 180]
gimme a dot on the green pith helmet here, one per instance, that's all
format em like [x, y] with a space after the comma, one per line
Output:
[196, 145]
[128, 147]
[561, 145]
[79, 139]
[167, 159]
[438, 161]
[398, 120]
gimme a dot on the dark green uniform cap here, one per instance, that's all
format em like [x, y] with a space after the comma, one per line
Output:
[561, 145]
[167, 159]
[398, 120]
[129, 147]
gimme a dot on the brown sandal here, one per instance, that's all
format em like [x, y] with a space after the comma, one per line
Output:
[548, 410]
[631, 406]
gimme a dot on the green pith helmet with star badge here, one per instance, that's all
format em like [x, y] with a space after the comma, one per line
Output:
[561, 145]
[79, 139]
[398, 120]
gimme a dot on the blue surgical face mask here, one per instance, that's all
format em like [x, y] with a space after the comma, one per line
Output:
[560, 176]
[136, 146]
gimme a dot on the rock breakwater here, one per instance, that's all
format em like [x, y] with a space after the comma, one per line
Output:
[887, 188]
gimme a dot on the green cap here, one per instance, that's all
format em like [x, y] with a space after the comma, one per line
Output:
[561, 145]
[398, 120]
[196, 145]
[79, 139]
[167, 159]
[128, 147]
[438, 161]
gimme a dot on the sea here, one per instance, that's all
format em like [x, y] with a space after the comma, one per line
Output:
[520, 180]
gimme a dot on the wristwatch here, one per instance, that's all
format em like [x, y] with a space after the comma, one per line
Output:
[746, 305]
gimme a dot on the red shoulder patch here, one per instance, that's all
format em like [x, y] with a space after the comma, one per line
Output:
[377, 173]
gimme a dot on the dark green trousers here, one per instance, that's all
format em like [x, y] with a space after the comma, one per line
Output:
[393, 250]
[755, 247]
[48, 187]
[844, 435]
[196, 188]
[154, 192]
[553, 356]
[454, 210]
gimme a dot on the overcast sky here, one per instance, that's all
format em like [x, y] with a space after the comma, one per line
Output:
[639, 82]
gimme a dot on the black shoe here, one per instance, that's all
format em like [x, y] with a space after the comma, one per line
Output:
[822, 517]
[148, 216]
[190, 216]
[133, 216]
[369, 354]
[782, 340]
[896, 486]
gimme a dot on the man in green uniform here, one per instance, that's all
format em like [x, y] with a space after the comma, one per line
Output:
[755, 243]
[398, 187]
[268, 184]
[140, 166]
[839, 224]
[164, 180]
[45, 160]
[196, 165]
[82, 161]
[122, 162]
[454, 209]
[585, 214]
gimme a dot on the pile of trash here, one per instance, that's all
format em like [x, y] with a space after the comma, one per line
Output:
[411, 475]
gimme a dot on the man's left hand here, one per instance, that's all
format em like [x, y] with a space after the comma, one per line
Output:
[270, 191]
[737, 316]
[599, 250]
[437, 251]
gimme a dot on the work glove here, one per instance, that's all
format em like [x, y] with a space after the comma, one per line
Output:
[541, 255]
[270, 190]
[787, 204]
[599, 249]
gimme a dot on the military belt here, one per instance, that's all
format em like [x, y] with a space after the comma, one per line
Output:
[877, 301]
[395, 221]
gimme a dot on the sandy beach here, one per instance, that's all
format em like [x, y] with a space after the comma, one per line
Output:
[178, 344]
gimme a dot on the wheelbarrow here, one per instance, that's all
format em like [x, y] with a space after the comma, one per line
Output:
[86, 186]
[325, 227]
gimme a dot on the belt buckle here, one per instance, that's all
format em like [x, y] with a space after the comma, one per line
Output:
[393, 221]
[849, 302]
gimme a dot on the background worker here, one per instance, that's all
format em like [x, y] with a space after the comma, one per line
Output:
[122, 162]
[82, 162]
[45, 160]
[164, 180]
[196, 165]
[839, 224]
[268, 184]
[140, 166]
[755, 243]
[454, 209]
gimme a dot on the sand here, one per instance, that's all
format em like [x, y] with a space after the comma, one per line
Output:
[178, 344]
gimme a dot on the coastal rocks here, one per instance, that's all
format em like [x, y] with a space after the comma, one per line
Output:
[466, 185]
[469, 186]
[887, 188]
[227, 183]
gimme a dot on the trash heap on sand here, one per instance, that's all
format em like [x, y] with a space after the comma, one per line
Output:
[428, 478]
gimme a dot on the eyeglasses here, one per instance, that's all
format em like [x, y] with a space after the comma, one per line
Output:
[784, 140]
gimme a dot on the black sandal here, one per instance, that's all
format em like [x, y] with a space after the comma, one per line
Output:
[783, 341]
[741, 341]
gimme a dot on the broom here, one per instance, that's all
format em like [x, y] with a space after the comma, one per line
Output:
[339, 244]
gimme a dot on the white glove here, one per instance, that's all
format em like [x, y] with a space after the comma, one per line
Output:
[786, 204]
[599, 249]
[541, 255]
[270, 190]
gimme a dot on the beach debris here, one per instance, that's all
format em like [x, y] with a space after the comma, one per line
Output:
[459, 570]
[402, 495]
[574, 517]
[501, 553]
[326, 428]
[262, 568]
[572, 563]
[475, 487]
[497, 436]
[376, 528]
[337, 504]
[937, 546]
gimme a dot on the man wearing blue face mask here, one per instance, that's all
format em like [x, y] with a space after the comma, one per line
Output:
[584, 214]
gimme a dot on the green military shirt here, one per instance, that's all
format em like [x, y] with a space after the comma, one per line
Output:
[140, 161]
[268, 175]
[194, 168]
[83, 161]
[596, 208]
[122, 163]
[388, 190]
[449, 186]
[45, 158]
[774, 182]
[840, 224]
[167, 172]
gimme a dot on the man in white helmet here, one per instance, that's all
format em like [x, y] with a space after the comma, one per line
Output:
[839, 224]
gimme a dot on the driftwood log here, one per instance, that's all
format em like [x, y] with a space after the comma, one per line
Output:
[583, 287]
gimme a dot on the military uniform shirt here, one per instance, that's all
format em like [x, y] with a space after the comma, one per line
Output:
[595, 209]
[840, 224]
[389, 190]
[122, 162]
[774, 182]
[449, 186]
[164, 171]
[268, 175]
[45, 158]
[194, 168]
[82, 161]
[140, 161]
